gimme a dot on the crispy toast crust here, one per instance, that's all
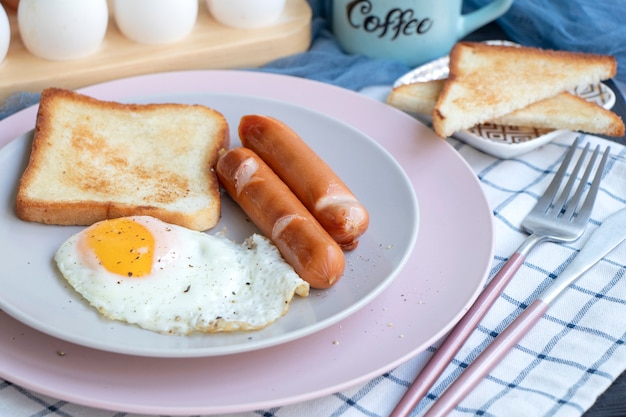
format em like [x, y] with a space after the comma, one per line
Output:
[489, 81]
[92, 160]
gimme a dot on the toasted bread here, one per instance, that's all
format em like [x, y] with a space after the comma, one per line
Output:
[489, 81]
[92, 160]
[419, 97]
[563, 111]
[566, 111]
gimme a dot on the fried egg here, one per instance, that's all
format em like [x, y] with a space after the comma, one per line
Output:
[173, 280]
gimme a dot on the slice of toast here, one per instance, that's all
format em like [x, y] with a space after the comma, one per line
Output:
[92, 160]
[563, 111]
[566, 111]
[489, 81]
[419, 97]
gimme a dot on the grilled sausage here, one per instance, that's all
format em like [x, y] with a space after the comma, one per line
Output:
[308, 176]
[278, 213]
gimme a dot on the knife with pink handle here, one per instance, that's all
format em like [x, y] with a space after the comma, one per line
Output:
[610, 234]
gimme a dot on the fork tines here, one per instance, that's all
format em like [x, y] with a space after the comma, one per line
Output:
[566, 203]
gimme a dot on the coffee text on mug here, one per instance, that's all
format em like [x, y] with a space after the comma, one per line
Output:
[395, 23]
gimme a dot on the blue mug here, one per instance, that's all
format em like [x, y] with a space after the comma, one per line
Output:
[410, 31]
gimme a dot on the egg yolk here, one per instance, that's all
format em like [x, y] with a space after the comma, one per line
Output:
[123, 246]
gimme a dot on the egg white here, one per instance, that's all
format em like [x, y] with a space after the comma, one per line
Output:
[198, 283]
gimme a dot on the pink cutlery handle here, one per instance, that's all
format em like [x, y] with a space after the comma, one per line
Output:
[459, 334]
[488, 359]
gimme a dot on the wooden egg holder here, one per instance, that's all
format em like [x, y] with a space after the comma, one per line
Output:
[210, 45]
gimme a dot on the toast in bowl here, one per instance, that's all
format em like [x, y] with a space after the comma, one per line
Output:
[489, 81]
[562, 111]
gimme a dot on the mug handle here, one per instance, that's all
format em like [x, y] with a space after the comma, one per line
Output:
[486, 14]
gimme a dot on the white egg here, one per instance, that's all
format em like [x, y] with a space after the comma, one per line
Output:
[62, 29]
[173, 280]
[246, 14]
[5, 34]
[155, 21]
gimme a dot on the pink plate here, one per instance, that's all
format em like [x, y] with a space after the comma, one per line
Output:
[442, 276]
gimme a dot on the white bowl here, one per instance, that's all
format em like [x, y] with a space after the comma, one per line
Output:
[246, 14]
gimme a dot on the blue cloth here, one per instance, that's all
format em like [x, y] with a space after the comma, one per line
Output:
[324, 61]
[16, 102]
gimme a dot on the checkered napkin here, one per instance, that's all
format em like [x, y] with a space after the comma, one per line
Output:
[559, 369]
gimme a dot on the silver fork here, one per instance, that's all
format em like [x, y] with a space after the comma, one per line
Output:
[557, 217]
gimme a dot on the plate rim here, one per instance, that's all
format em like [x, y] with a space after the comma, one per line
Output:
[310, 89]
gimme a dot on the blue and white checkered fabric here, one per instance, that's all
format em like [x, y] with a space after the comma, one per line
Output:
[569, 358]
